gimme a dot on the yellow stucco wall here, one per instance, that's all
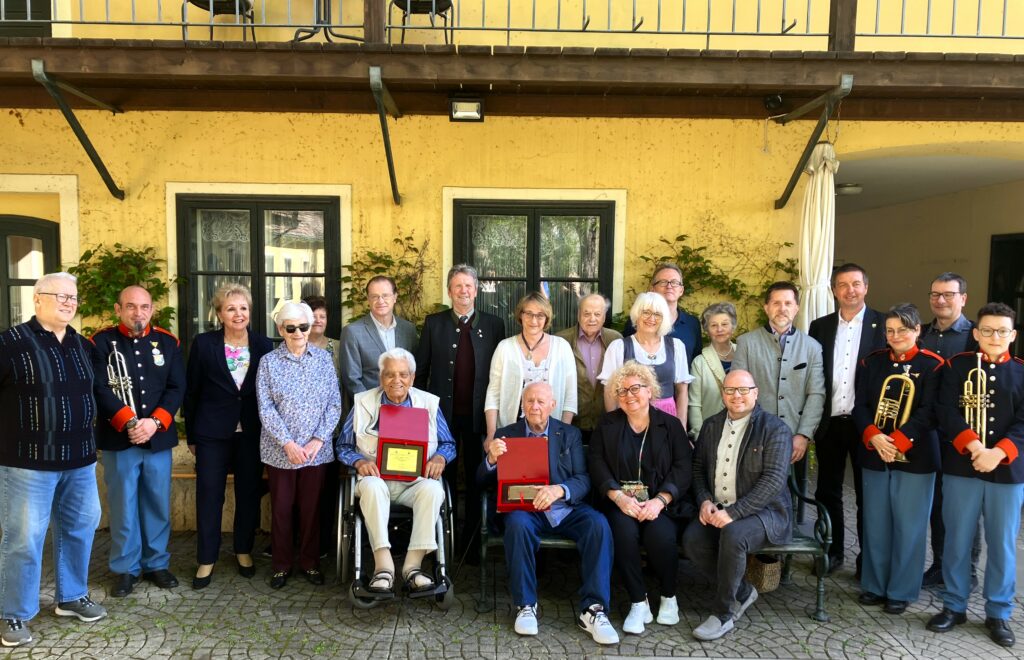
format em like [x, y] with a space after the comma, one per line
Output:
[676, 173]
[763, 19]
[34, 205]
[928, 237]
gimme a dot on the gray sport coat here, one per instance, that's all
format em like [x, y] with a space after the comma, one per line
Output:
[361, 346]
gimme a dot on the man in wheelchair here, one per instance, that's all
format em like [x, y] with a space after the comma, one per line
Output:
[357, 448]
[558, 510]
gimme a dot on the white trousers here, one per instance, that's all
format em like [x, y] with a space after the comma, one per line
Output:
[423, 496]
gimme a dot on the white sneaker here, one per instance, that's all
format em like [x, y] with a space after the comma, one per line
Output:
[596, 622]
[639, 614]
[745, 604]
[668, 611]
[712, 629]
[526, 620]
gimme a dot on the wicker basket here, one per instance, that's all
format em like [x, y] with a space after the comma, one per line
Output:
[764, 572]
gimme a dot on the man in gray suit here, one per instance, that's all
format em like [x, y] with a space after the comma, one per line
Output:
[739, 477]
[788, 370]
[363, 340]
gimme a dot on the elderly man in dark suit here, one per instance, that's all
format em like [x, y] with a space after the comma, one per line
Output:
[454, 360]
[847, 336]
[739, 477]
[559, 509]
[365, 339]
[589, 339]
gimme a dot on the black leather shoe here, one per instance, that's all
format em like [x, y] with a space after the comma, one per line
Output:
[999, 631]
[124, 583]
[162, 578]
[313, 576]
[945, 620]
[247, 571]
[868, 598]
[278, 580]
[202, 582]
[895, 606]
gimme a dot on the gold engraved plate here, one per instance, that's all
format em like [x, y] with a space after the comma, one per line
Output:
[522, 493]
[402, 460]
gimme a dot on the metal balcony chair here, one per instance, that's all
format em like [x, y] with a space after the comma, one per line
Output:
[242, 8]
[432, 8]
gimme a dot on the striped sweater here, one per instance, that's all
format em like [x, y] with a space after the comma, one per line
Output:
[46, 399]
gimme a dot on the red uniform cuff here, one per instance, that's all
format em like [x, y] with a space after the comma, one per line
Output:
[870, 432]
[902, 442]
[1011, 450]
[966, 437]
[165, 417]
[122, 417]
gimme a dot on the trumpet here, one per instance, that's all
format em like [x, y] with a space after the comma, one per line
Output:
[975, 400]
[119, 381]
[892, 412]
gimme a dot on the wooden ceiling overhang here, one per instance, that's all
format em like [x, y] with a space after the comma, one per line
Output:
[139, 75]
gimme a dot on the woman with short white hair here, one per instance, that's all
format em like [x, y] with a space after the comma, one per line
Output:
[650, 346]
[299, 405]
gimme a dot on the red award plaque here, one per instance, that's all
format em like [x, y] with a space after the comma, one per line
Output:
[402, 443]
[521, 470]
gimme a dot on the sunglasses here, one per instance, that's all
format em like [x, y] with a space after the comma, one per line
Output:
[302, 327]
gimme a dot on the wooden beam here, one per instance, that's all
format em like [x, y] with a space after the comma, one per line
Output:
[373, 21]
[842, 25]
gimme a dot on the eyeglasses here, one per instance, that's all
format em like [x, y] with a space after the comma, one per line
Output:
[1002, 333]
[897, 332]
[945, 295]
[538, 316]
[62, 297]
[742, 391]
[669, 284]
[632, 389]
[651, 314]
[380, 296]
[302, 327]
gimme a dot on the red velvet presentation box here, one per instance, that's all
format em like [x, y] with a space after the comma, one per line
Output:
[402, 443]
[521, 470]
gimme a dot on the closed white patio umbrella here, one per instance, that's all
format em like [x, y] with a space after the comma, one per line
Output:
[817, 236]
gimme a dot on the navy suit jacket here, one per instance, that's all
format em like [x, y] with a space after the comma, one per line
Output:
[567, 464]
[435, 359]
[213, 403]
[823, 329]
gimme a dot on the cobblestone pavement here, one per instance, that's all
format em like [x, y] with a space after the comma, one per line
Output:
[239, 618]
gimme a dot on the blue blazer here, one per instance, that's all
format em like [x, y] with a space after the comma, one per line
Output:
[567, 464]
[213, 403]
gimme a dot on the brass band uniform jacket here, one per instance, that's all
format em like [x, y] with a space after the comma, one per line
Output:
[1004, 380]
[157, 371]
[918, 439]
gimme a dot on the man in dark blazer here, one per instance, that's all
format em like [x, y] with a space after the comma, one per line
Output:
[743, 501]
[363, 340]
[559, 509]
[847, 336]
[453, 362]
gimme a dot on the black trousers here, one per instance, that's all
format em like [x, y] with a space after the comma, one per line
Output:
[239, 454]
[722, 553]
[840, 440]
[469, 447]
[658, 537]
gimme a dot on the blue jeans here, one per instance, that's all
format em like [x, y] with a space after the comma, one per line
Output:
[30, 500]
[585, 526]
[139, 503]
[964, 500]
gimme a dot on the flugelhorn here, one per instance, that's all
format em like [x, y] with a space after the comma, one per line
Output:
[119, 381]
[975, 400]
[892, 412]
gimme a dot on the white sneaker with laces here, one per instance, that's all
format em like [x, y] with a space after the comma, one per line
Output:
[526, 620]
[596, 622]
[668, 611]
[639, 614]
